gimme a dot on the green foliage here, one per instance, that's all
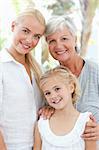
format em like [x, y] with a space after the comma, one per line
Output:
[60, 7]
[2, 41]
[15, 4]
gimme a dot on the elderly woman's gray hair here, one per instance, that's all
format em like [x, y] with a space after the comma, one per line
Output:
[59, 22]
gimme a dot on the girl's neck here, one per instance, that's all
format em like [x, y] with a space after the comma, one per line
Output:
[66, 112]
[63, 121]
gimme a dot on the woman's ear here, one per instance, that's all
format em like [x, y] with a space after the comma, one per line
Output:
[13, 26]
[75, 39]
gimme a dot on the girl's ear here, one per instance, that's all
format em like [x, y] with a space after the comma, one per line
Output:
[13, 26]
[72, 87]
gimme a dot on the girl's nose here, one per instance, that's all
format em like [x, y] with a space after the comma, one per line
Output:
[53, 94]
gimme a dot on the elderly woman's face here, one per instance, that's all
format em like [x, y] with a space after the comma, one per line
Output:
[62, 44]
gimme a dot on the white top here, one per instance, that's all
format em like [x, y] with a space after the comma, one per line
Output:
[70, 141]
[19, 102]
[89, 83]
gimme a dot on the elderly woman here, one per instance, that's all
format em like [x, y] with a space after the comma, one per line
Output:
[62, 43]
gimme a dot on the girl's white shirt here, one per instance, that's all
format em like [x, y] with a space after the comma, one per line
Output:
[19, 103]
[70, 141]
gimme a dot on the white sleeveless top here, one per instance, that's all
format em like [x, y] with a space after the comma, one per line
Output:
[70, 141]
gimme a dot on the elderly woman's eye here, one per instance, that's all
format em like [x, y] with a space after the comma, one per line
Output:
[51, 41]
[64, 38]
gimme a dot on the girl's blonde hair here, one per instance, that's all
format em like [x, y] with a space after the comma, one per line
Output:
[31, 11]
[66, 76]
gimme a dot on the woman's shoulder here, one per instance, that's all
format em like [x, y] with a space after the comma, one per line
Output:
[91, 64]
[91, 68]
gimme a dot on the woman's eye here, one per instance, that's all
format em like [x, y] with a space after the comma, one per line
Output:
[37, 37]
[51, 41]
[64, 38]
[25, 31]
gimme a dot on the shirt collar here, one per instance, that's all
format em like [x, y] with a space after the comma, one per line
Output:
[5, 56]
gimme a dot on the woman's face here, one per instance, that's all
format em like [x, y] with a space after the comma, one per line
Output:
[26, 34]
[62, 44]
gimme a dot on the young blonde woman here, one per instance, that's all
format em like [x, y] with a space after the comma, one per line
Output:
[64, 129]
[20, 97]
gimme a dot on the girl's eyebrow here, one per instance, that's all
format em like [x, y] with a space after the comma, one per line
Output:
[55, 86]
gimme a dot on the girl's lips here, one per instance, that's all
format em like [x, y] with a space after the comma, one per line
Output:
[56, 101]
[61, 52]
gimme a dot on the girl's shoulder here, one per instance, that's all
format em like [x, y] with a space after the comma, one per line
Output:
[81, 121]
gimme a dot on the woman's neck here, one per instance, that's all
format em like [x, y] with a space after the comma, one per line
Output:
[17, 56]
[75, 65]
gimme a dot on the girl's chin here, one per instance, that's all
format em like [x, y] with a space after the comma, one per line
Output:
[25, 51]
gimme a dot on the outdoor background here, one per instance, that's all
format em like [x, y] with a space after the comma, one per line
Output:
[85, 14]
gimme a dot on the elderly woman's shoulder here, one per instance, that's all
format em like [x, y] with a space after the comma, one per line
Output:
[92, 64]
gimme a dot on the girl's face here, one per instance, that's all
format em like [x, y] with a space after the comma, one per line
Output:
[26, 34]
[62, 44]
[57, 93]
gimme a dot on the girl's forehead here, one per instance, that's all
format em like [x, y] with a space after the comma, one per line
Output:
[54, 80]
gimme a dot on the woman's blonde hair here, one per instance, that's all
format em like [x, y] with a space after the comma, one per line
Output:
[31, 11]
[66, 76]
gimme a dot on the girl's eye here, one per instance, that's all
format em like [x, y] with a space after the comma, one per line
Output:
[57, 89]
[47, 93]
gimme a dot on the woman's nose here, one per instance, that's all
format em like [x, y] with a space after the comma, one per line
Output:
[58, 45]
[29, 38]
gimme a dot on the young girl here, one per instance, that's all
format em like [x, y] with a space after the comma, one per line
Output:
[64, 129]
[20, 97]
